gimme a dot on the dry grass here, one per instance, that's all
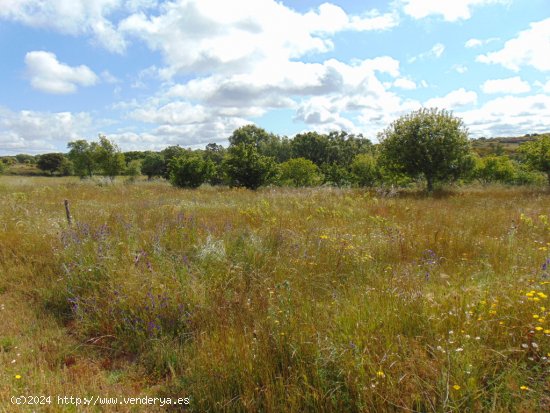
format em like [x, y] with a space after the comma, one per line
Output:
[276, 300]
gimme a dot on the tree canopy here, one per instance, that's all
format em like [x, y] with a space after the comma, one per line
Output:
[428, 143]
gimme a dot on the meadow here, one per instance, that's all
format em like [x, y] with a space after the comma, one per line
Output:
[276, 300]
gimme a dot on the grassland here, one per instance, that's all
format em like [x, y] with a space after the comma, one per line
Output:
[278, 300]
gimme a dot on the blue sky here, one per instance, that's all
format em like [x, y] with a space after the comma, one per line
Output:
[150, 73]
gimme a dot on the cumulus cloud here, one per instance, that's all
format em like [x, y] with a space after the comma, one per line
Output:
[37, 132]
[450, 10]
[531, 47]
[208, 36]
[512, 85]
[452, 100]
[509, 116]
[403, 83]
[74, 17]
[49, 75]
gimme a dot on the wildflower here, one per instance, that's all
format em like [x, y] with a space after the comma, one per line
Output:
[456, 387]
[524, 388]
[542, 295]
[546, 331]
[17, 377]
[323, 236]
[535, 316]
[538, 328]
[380, 374]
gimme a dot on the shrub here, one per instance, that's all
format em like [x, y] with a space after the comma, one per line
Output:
[190, 170]
[299, 172]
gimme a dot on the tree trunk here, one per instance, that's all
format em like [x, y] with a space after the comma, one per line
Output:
[430, 181]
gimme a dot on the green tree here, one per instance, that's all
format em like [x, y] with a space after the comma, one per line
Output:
[495, 169]
[50, 162]
[246, 167]
[364, 169]
[428, 143]
[299, 172]
[2, 166]
[109, 158]
[216, 153]
[536, 154]
[133, 170]
[190, 170]
[312, 146]
[82, 155]
[153, 165]
[169, 153]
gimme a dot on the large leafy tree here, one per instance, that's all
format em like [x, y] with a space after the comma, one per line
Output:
[82, 154]
[109, 158]
[537, 154]
[428, 143]
[51, 162]
[246, 167]
[153, 165]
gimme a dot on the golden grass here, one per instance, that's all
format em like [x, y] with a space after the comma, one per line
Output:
[277, 300]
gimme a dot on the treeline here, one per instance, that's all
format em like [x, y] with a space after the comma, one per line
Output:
[427, 145]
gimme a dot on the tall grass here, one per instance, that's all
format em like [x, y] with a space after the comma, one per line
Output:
[295, 300]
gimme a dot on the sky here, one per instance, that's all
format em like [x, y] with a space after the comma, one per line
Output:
[149, 73]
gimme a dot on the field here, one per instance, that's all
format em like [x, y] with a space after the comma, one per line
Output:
[279, 300]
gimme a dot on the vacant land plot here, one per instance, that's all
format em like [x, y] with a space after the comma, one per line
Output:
[277, 300]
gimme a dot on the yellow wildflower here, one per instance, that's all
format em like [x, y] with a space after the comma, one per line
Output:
[456, 387]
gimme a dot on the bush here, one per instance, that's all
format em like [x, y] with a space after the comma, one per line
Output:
[153, 165]
[246, 167]
[364, 169]
[190, 170]
[299, 172]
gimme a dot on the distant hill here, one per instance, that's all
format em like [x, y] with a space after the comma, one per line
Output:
[502, 145]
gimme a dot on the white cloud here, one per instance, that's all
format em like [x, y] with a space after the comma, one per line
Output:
[544, 86]
[472, 43]
[531, 47]
[450, 10]
[510, 116]
[435, 52]
[404, 83]
[460, 69]
[49, 75]
[38, 132]
[512, 85]
[209, 36]
[73, 17]
[452, 100]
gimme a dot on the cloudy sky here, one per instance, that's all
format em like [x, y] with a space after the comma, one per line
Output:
[154, 73]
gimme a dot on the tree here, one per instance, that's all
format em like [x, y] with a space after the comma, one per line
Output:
[495, 169]
[537, 154]
[2, 166]
[246, 167]
[82, 155]
[169, 153]
[428, 143]
[312, 146]
[364, 169]
[109, 158]
[50, 162]
[133, 170]
[299, 172]
[153, 165]
[190, 170]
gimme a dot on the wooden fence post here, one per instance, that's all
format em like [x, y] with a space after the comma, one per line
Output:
[68, 212]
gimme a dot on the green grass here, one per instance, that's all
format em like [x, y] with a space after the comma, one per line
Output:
[277, 300]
